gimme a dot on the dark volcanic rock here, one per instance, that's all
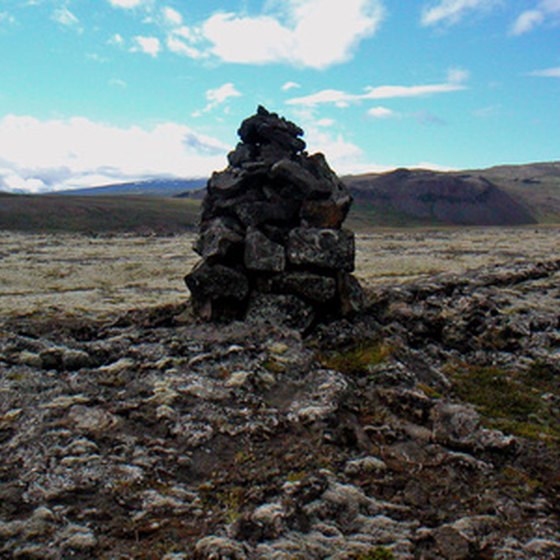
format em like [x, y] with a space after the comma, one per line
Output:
[273, 218]
[220, 238]
[263, 254]
[305, 284]
[281, 311]
[207, 281]
[324, 248]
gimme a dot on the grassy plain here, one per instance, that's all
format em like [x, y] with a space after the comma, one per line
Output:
[49, 274]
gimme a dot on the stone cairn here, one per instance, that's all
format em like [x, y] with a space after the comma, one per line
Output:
[271, 237]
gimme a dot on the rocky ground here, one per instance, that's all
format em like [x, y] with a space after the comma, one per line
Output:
[426, 427]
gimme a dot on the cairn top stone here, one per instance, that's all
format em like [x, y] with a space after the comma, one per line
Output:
[269, 128]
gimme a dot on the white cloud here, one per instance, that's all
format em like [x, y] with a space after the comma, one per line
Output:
[343, 99]
[41, 155]
[220, 95]
[171, 16]
[382, 113]
[307, 33]
[452, 11]
[127, 4]
[65, 17]
[148, 45]
[290, 85]
[547, 73]
[303, 33]
[325, 122]
[116, 39]
[527, 21]
[530, 19]
[178, 46]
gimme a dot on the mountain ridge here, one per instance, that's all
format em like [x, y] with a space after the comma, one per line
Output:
[500, 195]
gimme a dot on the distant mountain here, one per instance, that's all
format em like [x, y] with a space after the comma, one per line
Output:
[152, 187]
[443, 198]
[502, 195]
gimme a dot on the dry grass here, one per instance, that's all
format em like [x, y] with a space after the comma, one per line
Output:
[96, 276]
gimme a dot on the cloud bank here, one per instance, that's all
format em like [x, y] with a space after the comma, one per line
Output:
[41, 155]
[455, 82]
[302, 33]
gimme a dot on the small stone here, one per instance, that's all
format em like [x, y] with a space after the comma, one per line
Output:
[75, 359]
[307, 285]
[322, 248]
[219, 238]
[227, 183]
[93, 420]
[238, 378]
[78, 538]
[280, 310]
[308, 186]
[208, 281]
[452, 544]
[30, 359]
[325, 213]
[216, 548]
[365, 465]
[124, 364]
[262, 254]
[260, 212]
[350, 293]
[243, 153]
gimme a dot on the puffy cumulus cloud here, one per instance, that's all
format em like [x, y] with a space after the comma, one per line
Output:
[382, 113]
[148, 45]
[305, 33]
[39, 155]
[543, 11]
[171, 16]
[343, 156]
[455, 82]
[452, 11]
[219, 96]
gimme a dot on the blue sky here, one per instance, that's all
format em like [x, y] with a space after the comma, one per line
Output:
[94, 92]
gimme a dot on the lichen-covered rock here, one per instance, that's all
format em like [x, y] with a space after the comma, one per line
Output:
[281, 311]
[263, 254]
[329, 249]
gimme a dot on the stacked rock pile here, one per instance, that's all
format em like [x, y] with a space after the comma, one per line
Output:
[271, 237]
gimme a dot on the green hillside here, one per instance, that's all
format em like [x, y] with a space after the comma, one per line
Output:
[34, 213]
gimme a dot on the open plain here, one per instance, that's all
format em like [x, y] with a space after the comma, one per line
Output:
[97, 276]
